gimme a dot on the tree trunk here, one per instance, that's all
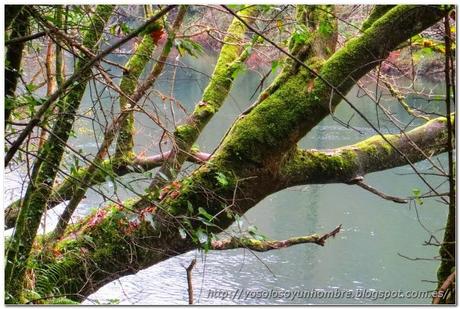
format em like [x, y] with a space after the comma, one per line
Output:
[45, 170]
[13, 59]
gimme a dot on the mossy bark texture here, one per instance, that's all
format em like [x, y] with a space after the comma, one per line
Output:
[13, 56]
[213, 97]
[45, 170]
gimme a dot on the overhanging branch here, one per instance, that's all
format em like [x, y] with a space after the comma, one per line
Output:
[344, 164]
[267, 245]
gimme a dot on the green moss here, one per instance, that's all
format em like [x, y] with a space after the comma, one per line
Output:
[134, 69]
[186, 133]
[61, 301]
[270, 123]
[320, 166]
[377, 12]
[221, 80]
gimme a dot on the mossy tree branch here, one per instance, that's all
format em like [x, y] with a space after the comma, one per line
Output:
[213, 98]
[112, 130]
[63, 191]
[344, 164]
[267, 245]
[263, 136]
[134, 68]
[377, 12]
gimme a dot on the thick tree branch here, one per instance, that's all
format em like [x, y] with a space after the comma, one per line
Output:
[63, 191]
[344, 164]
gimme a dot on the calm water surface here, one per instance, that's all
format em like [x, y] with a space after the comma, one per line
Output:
[364, 255]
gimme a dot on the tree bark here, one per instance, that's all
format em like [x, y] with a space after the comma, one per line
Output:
[13, 59]
[44, 173]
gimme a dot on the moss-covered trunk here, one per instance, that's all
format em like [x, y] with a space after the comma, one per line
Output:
[45, 169]
[13, 59]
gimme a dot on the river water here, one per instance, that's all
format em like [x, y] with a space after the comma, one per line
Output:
[362, 258]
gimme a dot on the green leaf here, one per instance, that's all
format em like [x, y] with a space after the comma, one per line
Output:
[204, 213]
[275, 64]
[222, 179]
[417, 195]
[149, 218]
[239, 222]
[187, 46]
[236, 7]
[202, 236]
[238, 68]
[31, 87]
[182, 233]
[169, 45]
[206, 222]
[190, 207]
[300, 35]
[252, 229]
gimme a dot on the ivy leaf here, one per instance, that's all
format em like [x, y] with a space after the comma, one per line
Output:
[187, 46]
[202, 236]
[275, 64]
[149, 218]
[222, 179]
[182, 233]
[190, 207]
[207, 223]
[204, 213]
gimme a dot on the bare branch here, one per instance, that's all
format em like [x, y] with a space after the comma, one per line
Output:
[267, 245]
[359, 182]
[449, 281]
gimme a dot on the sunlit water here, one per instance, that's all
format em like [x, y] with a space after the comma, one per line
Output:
[364, 255]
